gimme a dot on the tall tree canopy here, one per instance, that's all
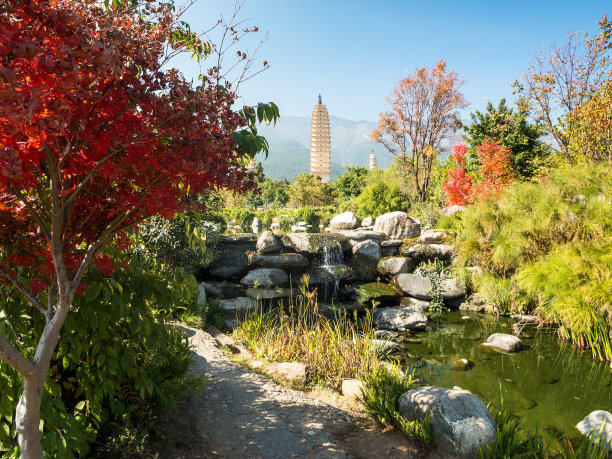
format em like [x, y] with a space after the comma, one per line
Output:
[561, 79]
[424, 112]
[512, 130]
[95, 136]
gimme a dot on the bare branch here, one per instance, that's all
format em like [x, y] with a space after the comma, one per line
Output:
[14, 358]
[33, 301]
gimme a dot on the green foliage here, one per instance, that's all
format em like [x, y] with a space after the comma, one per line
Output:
[379, 198]
[274, 193]
[382, 388]
[547, 246]
[239, 216]
[435, 271]
[115, 365]
[513, 131]
[573, 285]
[182, 242]
[513, 441]
[350, 184]
[310, 190]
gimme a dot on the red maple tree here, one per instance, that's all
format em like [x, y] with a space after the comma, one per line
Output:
[458, 184]
[95, 136]
[495, 168]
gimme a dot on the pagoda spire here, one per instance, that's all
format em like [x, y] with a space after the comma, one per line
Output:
[320, 142]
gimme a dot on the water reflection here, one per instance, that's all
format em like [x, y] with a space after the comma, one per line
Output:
[550, 384]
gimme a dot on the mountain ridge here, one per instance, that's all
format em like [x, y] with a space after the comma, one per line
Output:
[289, 144]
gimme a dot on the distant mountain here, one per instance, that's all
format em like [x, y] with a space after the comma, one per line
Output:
[290, 146]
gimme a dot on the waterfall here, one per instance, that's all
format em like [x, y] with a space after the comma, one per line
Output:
[331, 260]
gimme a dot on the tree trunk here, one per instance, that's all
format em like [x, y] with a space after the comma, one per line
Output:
[27, 417]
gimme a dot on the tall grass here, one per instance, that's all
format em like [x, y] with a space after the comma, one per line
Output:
[547, 247]
[514, 441]
[332, 349]
[382, 389]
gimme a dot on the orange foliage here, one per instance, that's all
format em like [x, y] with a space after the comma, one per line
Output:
[495, 170]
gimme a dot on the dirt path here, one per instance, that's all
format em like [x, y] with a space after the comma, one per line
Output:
[242, 414]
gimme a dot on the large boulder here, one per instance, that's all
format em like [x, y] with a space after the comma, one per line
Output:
[397, 225]
[598, 423]
[377, 291]
[344, 221]
[419, 287]
[231, 260]
[365, 259]
[238, 306]
[413, 303]
[268, 243]
[392, 266]
[265, 277]
[505, 342]
[459, 420]
[434, 236]
[426, 252]
[290, 261]
[399, 319]
[451, 210]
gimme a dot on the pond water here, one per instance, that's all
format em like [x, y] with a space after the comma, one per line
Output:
[550, 384]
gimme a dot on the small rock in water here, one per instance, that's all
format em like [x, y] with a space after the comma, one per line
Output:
[505, 342]
[465, 317]
[463, 365]
[385, 334]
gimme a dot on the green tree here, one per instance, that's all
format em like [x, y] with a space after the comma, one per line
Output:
[275, 193]
[350, 184]
[310, 190]
[513, 131]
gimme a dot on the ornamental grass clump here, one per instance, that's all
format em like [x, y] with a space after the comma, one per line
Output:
[332, 349]
[546, 248]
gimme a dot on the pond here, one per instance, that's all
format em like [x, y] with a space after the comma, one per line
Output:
[550, 384]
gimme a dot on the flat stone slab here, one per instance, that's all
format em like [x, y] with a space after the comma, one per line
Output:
[352, 388]
[399, 319]
[434, 236]
[268, 293]
[265, 277]
[294, 371]
[282, 260]
[238, 306]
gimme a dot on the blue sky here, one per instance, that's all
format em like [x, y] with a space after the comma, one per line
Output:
[354, 52]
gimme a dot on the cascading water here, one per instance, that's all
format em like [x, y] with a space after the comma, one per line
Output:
[332, 261]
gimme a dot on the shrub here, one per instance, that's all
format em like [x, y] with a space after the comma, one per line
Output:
[382, 388]
[546, 246]
[119, 362]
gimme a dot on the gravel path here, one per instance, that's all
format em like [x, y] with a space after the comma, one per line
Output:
[242, 414]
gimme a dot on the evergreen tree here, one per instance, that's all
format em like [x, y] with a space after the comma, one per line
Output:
[513, 131]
